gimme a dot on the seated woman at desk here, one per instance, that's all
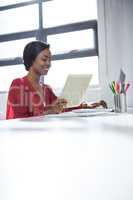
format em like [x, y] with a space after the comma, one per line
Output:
[27, 96]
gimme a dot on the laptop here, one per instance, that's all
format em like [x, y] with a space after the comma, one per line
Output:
[75, 88]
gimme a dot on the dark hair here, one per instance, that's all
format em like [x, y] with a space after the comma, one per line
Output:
[31, 51]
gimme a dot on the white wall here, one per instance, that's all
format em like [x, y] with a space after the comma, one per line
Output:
[115, 44]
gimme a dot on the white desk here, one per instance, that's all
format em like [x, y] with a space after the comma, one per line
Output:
[68, 158]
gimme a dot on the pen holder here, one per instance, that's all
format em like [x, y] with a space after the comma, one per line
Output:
[120, 103]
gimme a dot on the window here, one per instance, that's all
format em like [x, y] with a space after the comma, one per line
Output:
[10, 2]
[13, 48]
[70, 27]
[62, 68]
[19, 19]
[59, 12]
[8, 73]
[71, 41]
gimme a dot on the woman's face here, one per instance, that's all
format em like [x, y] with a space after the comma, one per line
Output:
[42, 62]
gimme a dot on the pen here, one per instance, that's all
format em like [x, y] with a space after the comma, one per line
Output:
[127, 86]
[113, 84]
[122, 87]
[112, 88]
[117, 87]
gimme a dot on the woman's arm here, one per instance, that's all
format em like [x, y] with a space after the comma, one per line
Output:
[86, 106]
[56, 107]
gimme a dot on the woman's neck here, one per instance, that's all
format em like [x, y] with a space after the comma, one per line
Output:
[33, 77]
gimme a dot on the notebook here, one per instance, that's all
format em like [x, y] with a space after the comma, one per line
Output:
[75, 88]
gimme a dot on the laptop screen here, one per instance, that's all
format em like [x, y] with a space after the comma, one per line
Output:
[75, 88]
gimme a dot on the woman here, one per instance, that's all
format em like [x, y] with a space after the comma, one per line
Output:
[27, 96]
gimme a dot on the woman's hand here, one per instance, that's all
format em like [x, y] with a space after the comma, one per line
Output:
[94, 105]
[57, 106]
[103, 104]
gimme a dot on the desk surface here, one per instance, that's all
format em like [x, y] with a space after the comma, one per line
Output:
[67, 158]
